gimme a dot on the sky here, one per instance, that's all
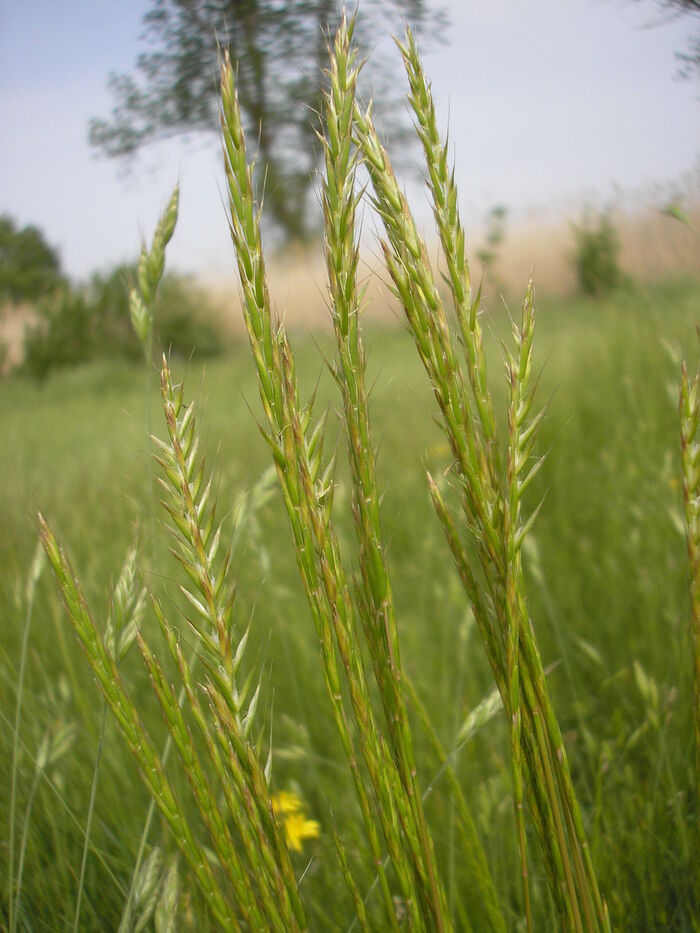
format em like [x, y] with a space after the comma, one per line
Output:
[550, 105]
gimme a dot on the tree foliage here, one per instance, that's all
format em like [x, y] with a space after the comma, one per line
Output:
[683, 6]
[29, 266]
[690, 58]
[280, 48]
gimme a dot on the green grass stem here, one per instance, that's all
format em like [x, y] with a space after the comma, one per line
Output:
[30, 590]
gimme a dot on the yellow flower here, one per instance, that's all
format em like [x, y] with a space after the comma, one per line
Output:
[296, 826]
[286, 802]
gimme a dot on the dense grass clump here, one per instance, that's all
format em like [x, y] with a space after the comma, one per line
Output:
[328, 748]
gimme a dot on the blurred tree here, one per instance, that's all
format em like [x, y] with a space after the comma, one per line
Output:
[280, 48]
[682, 6]
[29, 267]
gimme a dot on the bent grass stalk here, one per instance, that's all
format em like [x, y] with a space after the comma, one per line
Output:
[266, 899]
[258, 888]
[53, 746]
[138, 740]
[60, 799]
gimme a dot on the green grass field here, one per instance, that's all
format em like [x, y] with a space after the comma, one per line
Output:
[607, 583]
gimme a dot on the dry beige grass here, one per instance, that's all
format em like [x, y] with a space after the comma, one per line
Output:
[14, 320]
[297, 288]
[653, 246]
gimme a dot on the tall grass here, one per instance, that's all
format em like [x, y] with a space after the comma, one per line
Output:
[394, 833]
[690, 461]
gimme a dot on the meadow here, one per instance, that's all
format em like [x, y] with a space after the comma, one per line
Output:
[321, 778]
[606, 580]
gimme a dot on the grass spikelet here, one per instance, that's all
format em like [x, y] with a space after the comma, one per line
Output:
[140, 910]
[152, 262]
[149, 273]
[127, 608]
[165, 915]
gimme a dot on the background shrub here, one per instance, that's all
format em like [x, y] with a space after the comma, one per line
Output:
[186, 320]
[61, 336]
[29, 267]
[596, 257]
[92, 321]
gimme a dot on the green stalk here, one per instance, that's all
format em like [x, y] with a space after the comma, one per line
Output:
[142, 302]
[149, 452]
[142, 312]
[690, 465]
[339, 201]
[32, 580]
[23, 847]
[518, 372]
[446, 212]
[88, 821]
[360, 911]
[483, 903]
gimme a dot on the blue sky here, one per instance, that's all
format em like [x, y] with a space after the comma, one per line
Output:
[550, 103]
